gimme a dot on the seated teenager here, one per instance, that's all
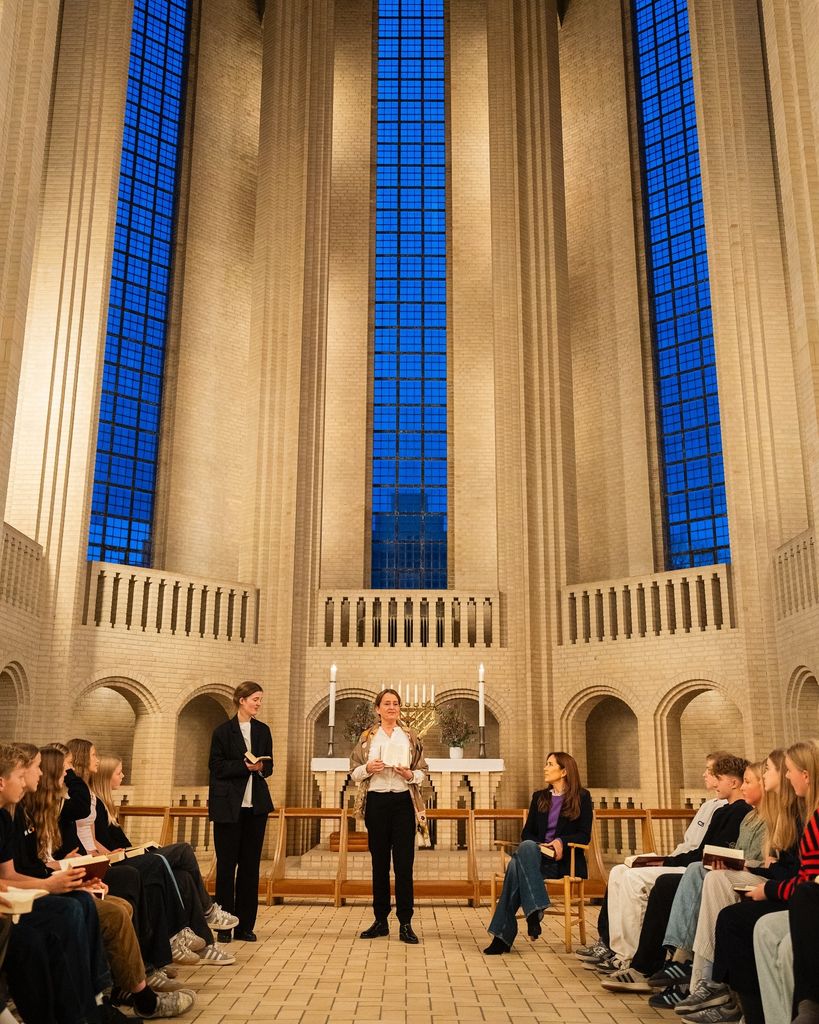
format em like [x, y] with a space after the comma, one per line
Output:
[626, 941]
[734, 962]
[686, 901]
[203, 914]
[558, 815]
[639, 881]
[119, 937]
[48, 961]
[157, 908]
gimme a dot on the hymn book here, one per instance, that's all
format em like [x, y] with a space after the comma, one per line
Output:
[19, 901]
[546, 850]
[645, 860]
[723, 856]
[95, 865]
[255, 760]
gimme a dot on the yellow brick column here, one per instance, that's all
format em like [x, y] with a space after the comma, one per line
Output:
[791, 45]
[28, 32]
[533, 384]
[762, 453]
[55, 432]
[286, 361]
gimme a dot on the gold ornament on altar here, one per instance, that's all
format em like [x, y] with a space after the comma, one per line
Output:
[417, 709]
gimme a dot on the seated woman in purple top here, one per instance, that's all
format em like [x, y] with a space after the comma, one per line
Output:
[558, 815]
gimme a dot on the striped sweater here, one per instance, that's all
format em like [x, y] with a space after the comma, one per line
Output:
[808, 863]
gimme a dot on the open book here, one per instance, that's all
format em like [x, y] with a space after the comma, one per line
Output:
[395, 754]
[645, 860]
[19, 901]
[252, 759]
[723, 856]
[95, 864]
[132, 851]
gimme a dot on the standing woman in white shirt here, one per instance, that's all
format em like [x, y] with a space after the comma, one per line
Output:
[238, 805]
[389, 768]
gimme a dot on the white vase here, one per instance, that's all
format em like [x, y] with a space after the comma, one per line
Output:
[456, 753]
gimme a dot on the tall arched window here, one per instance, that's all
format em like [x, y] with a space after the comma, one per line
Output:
[409, 438]
[689, 417]
[127, 442]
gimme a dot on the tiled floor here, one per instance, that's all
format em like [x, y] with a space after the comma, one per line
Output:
[309, 966]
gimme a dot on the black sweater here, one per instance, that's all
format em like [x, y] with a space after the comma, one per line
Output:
[722, 831]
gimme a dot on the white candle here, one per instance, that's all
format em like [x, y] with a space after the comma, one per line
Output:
[333, 671]
[481, 706]
[382, 687]
[424, 693]
[400, 698]
[415, 700]
[480, 672]
[331, 714]
[432, 698]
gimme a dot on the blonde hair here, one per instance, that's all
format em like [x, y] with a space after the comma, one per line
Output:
[101, 785]
[780, 810]
[43, 806]
[805, 755]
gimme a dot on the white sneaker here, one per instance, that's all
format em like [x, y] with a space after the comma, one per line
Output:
[182, 953]
[191, 939]
[216, 956]
[171, 1004]
[220, 920]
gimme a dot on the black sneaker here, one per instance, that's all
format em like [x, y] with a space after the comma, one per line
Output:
[668, 998]
[672, 973]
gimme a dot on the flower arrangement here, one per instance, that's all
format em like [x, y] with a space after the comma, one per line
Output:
[361, 717]
[456, 729]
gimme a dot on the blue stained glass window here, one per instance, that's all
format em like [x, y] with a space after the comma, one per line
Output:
[689, 423]
[122, 503]
[409, 444]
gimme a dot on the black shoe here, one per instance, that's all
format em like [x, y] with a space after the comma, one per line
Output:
[376, 930]
[496, 947]
[244, 935]
[406, 934]
[225, 936]
[533, 925]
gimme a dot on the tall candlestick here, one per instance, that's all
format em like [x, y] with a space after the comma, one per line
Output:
[333, 671]
[331, 713]
[481, 704]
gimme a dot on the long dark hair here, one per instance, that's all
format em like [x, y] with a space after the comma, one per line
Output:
[571, 789]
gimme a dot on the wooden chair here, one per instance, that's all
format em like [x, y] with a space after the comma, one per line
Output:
[570, 891]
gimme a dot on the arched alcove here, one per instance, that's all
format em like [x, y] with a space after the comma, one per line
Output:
[197, 720]
[12, 694]
[612, 746]
[695, 721]
[108, 718]
[803, 705]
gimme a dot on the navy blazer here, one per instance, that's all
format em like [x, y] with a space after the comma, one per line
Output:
[568, 831]
[229, 771]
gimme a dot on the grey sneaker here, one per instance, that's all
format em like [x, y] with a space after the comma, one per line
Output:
[160, 982]
[171, 1004]
[626, 981]
[182, 953]
[220, 920]
[724, 1014]
[599, 951]
[192, 940]
[707, 993]
[215, 956]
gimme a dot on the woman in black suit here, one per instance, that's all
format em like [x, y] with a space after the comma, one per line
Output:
[558, 815]
[238, 805]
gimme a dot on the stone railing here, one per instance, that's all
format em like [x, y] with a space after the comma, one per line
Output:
[417, 618]
[135, 600]
[795, 579]
[21, 563]
[683, 601]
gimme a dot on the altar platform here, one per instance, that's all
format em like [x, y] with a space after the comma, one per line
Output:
[309, 967]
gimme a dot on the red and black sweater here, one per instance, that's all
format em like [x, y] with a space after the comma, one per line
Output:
[808, 863]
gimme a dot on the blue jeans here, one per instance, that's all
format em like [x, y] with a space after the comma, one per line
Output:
[685, 910]
[523, 887]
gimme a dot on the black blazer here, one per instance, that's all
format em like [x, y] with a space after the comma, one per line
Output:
[568, 831]
[229, 771]
[74, 809]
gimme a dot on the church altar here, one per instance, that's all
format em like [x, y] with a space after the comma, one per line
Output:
[447, 776]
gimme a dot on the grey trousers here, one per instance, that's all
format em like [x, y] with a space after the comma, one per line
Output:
[774, 966]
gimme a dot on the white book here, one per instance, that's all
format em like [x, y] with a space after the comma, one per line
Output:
[395, 754]
[15, 902]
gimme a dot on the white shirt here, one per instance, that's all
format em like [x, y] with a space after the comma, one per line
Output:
[695, 833]
[247, 799]
[85, 828]
[389, 780]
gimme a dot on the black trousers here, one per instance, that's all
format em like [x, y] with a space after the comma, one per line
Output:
[734, 958]
[238, 855]
[803, 915]
[650, 950]
[390, 821]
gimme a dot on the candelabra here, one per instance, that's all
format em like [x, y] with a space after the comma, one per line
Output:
[419, 715]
